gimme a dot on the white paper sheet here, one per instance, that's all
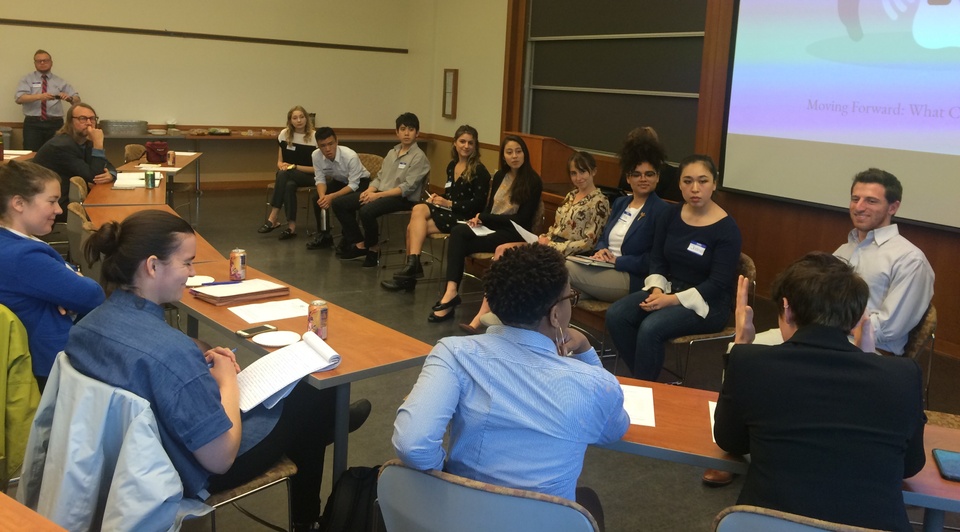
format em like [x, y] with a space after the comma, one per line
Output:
[480, 230]
[268, 378]
[527, 236]
[159, 167]
[712, 406]
[638, 402]
[272, 310]
[186, 153]
[134, 179]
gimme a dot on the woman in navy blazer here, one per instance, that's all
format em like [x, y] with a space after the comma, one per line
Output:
[628, 236]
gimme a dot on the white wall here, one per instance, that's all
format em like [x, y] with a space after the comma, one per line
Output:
[237, 84]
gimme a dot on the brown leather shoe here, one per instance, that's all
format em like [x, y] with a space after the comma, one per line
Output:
[716, 479]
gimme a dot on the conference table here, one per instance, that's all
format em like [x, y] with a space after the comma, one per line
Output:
[184, 159]
[105, 194]
[683, 434]
[367, 348]
[101, 214]
[15, 517]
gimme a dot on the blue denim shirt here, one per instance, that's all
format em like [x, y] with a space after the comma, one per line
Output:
[126, 343]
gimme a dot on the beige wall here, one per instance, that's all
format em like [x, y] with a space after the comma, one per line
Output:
[224, 83]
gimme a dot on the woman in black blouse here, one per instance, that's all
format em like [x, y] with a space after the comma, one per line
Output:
[514, 197]
[467, 187]
[294, 169]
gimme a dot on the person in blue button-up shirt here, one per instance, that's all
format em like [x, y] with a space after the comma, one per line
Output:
[525, 399]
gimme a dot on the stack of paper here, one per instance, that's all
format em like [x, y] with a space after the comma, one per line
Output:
[587, 261]
[249, 290]
[272, 377]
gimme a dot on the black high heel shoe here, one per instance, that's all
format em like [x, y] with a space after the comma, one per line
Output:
[449, 304]
[398, 284]
[433, 318]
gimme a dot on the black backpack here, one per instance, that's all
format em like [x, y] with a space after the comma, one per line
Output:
[352, 504]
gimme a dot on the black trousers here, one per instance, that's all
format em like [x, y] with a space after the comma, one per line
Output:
[322, 214]
[348, 208]
[463, 241]
[302, 433]
[37, 132]
[285, 190]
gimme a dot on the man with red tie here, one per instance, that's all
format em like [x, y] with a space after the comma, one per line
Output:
[41, 93]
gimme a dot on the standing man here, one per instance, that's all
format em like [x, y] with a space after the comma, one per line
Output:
[338, 172]
[41, 93]
[77, 150]
[398, 187]
[897, 272]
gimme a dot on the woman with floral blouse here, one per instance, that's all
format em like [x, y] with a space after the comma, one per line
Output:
[578, 222]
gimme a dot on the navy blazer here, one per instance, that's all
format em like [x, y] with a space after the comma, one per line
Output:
[831, 431]
[635, 251]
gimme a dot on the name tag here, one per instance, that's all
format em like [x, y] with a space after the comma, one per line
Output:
[625, 217]
[448, 184]
[697, 247]
[402, 165]
[292, 147]
[36, 85]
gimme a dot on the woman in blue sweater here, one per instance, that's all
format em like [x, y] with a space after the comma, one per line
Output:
[37, 284]
[693, 269]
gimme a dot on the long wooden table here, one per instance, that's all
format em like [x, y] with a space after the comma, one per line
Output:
[367, 348]
[107, 195]
[15, 517]
[101, 214]
[182, 162]
[683, 435]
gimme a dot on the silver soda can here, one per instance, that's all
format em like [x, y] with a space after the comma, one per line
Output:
[317, 318]
[238, 265]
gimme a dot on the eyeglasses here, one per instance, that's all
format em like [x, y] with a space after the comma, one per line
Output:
[91, 119]
[574, 297]
[644, 175]
[43, 60]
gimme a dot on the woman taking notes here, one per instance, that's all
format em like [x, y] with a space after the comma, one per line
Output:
[693, 270]
[577, 223]
[294, 169]
[466, 191]
[194, 395]
[628, 236]
[38, 285]
[515, 197]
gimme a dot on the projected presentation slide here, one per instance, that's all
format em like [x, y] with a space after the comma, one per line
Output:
[822, 89]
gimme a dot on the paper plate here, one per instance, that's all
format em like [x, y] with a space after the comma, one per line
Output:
[198, 280]
[276, 338]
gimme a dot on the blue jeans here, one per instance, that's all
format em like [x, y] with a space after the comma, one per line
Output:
[640, 335]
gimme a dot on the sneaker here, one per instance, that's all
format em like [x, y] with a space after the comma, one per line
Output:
[323, 240]
[353, 253]
[372, 260]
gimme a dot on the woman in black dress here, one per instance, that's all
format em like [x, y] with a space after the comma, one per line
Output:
[467, 188]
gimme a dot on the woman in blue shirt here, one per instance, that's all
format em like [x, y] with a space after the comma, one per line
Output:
[194, 395]
[38, 285]
[693, 269]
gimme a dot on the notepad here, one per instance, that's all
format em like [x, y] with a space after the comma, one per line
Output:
[273, 377]
[638, 402]
[587, 261]
[249, 290]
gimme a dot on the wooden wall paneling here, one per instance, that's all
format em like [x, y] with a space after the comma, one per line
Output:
[511, 115]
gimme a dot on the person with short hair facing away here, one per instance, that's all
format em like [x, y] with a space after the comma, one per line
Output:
[338, 171]
[294, 169]
[465, 193]
[627, 239]
[45, 293]
[41, 94]
[398, 187]
[577, 224]
[514, 197]
[522, 401]
[831, 430]
[125, 342]
[693, 272]
[77, 150]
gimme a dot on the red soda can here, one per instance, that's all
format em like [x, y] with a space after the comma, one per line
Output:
[317, 318]
[238, 265]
